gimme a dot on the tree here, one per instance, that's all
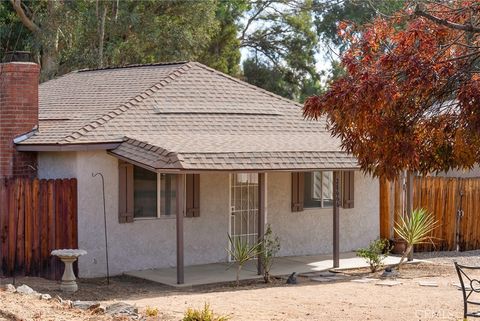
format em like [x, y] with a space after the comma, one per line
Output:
[223, 52]
[279, 39]
[328, 16]
[68, 35]
[409, 99]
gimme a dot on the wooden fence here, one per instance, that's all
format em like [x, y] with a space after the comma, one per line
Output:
[454, 202]
[36, 216]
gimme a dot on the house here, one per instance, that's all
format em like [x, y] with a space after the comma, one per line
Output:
[189, 155]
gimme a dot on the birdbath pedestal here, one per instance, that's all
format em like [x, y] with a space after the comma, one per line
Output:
[68, 256]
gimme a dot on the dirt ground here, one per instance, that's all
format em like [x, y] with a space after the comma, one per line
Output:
[308, 300]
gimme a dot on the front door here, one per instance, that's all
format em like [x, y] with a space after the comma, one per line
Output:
[244, 206]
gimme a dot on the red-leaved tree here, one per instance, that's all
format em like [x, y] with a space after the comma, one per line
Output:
[410, 97]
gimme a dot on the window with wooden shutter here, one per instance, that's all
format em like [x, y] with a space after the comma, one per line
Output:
[348, 189]
[125, 193]
[192, 197]
[298, 181]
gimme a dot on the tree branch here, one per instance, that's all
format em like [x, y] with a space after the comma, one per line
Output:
[252, 18]
[27, 22]
[446, 23]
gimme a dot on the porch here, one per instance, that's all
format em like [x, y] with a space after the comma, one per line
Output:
[223, 272]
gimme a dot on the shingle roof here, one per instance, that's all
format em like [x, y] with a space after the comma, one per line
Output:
[185, 116]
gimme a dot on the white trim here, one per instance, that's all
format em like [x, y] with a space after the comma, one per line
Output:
[249, 211]
[159, 196]
[265, 210]
[229, 231]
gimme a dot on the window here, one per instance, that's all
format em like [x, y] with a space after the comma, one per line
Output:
[168, 192]
[154, 194]
[144, 193]
[318, 189]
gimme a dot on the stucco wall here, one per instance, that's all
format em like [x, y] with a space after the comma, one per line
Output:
[145, 243]
[310, 231]
[150, 243]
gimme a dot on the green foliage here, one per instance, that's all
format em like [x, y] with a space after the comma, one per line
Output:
[281, 49]
[71, 34]
[241, 252]
[329, 13]
[279, 80]
[415, 229]
[375, 253]
[269, 249]
[206, 314]
[223, 52]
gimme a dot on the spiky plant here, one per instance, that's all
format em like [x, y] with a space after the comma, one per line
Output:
[415, 229]
[241, 252]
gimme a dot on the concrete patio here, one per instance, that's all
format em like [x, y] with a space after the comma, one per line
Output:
[225, 272]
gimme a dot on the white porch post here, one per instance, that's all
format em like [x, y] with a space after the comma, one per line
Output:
[336, 219]
[262, 188]
[179, 221]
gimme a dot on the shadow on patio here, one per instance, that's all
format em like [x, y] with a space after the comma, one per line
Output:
[220, 272]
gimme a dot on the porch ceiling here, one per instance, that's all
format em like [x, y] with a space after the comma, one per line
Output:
[234, 152]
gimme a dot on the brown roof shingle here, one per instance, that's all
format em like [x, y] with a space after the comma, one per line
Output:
[184, 116]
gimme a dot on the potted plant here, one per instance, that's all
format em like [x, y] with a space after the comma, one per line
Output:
[399, 246]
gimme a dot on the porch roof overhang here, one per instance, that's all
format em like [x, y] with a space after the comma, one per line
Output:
[230, 153]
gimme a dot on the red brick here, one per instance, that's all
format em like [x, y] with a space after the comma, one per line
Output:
[18, 115]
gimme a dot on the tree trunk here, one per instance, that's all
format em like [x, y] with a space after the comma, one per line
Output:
[239, 268]
[49, 44]
[101, 34]
[404, 255]
[266, 276]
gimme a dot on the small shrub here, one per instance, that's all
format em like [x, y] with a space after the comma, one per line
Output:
[375, 253]
[151, 312]
[270, 248]
[206, 314]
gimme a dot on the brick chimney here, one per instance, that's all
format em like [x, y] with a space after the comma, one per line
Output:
[18, 113]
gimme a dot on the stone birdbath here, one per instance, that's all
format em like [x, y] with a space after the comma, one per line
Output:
[68, 256]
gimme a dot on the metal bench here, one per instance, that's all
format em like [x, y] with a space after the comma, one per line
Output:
[469, 286]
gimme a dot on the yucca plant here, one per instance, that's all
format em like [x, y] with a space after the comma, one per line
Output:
[241, 251]
[415, 229]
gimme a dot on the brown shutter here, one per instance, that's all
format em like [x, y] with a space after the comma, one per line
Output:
[193, 195]
[298, 179]
[125, 192]
[348, 189]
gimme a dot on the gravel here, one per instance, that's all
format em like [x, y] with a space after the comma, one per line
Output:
[471, 258]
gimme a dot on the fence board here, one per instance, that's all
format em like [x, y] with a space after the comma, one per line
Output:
[443, 197]
[43, 208]
[28, 226]
[36, 216]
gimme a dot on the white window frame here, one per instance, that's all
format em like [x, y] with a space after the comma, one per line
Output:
[312, 186]
[159, 198]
